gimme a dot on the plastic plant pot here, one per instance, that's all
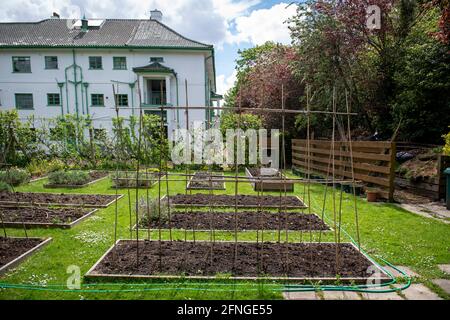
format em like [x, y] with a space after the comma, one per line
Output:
[372, 195]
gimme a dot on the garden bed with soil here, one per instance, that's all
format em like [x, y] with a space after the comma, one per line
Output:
[246, 221]
[206, 181]
[14, 250]
[125, 179]
[204, 260]
[268, 180]
[54, 199]
[243, 201]
[43, 217]
[94, 177]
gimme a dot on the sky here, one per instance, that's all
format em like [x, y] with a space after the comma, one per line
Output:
[229, 25]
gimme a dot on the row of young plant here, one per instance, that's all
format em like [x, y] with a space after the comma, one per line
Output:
[40, 146]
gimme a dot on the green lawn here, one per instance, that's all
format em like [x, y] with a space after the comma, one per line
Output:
[386, 231]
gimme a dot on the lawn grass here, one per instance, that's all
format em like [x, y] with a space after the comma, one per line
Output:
[386, 231]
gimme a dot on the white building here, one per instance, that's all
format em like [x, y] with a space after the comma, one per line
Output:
[57, 66]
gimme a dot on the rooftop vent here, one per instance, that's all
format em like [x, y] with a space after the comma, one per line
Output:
[156, 15]
[88, 24]
[55, 15]
[84, 24]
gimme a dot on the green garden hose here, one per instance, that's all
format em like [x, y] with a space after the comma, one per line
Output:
[145, 287]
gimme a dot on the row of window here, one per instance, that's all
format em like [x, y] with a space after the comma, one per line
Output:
[24, 101]
[22, 64]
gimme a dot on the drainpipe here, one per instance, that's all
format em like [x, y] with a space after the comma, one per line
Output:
[60, 85]
[86, 85]
[207, 100]
[178, 102]
[82, 99]
[132, 85]
[67, 88]
[75, 82]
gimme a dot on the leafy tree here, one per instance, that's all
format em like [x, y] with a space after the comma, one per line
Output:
[422, 98]
[17, 140]
[377, 68]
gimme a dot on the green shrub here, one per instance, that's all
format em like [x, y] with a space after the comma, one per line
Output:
[40, 167]
[446, 149]
[5, 187]
[149, 211]
[74, 177]
[14, 176]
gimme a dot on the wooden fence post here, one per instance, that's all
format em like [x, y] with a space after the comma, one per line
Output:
[392, 171]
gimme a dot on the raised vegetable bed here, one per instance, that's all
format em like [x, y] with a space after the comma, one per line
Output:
[203, 260]
[90, 178]
[206, 181]
[242, 201]
[126, 179]
[268, 180]
[246, 221]
[43, 217]
[54, 199]
[14, 250]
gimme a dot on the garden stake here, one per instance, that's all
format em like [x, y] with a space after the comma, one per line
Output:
[236, 173]
[161, 133]
[283, 117]
[138, 158]
[116, 210]
[334, 170]
[309, 157]
[353, 171]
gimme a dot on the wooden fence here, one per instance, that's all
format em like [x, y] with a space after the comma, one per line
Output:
[373, 161]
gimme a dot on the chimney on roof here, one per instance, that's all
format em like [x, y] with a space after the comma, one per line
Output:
[156, 15]
[84, 24]
[55, 15]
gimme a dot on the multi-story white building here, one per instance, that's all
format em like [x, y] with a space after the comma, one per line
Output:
[56, 66]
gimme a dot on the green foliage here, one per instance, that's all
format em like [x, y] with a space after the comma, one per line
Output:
[422, 98]
[446, 149]
[152, 210]
[154, 143]
[244, 64]
[18, 143]
[395, 77]
[5, 187]
[40, 167]
[244, 121]
[14, 176]
[74, 143]
[71, 177]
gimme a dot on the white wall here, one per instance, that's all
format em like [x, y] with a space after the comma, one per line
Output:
[189, 65]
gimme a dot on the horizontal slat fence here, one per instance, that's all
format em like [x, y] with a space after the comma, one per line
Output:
[373, 161]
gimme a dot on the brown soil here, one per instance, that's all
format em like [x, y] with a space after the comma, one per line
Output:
[269, 259]
[95, 175]
[42, 214]
[11, 248]
[420, 168]
[206, 181]
[245, 221]
[54, 198]
[243, 201]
